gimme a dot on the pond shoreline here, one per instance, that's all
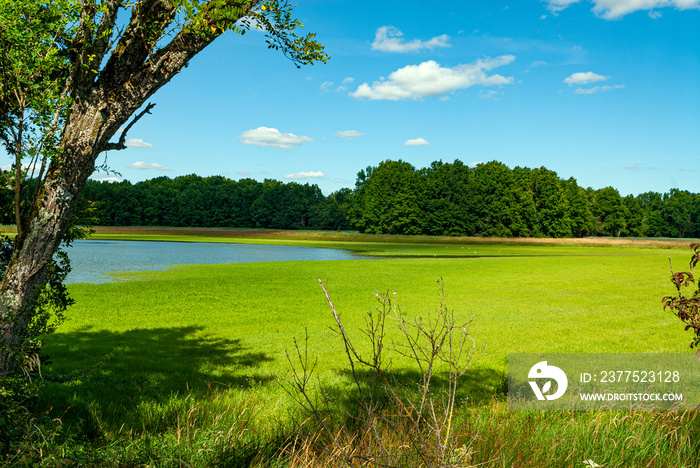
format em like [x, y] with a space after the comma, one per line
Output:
[97, 260]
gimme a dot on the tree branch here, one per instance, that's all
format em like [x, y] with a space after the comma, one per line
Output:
[121, 144]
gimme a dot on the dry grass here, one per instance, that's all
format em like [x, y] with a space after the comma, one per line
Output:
[493, 436]
[351, 236]
[354, 236]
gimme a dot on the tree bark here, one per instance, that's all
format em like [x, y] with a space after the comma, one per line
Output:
[100, 107]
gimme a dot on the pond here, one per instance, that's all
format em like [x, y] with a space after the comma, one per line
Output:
[94, 261]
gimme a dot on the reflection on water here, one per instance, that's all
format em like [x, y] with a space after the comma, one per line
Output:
[94, 260]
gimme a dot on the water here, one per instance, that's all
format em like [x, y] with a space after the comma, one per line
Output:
[93, 261]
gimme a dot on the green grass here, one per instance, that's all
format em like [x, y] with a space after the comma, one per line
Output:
[207, 343]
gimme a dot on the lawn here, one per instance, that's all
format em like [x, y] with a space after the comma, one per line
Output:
[215, 337]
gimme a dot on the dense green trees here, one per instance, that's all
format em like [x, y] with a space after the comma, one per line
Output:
[390, 197]
[195, 201]
[493, 200]
[444, 199]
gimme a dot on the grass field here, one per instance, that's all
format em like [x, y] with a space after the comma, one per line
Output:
[210, 341]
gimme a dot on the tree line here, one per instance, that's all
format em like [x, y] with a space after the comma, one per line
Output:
[394, 197]
[494, 200]
[194, 201]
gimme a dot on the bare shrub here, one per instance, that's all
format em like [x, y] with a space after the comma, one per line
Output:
[394, 421]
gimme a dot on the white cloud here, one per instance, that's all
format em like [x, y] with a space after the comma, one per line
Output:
[655, 14]
[416, 142]
[264, 136]
[140, 165]
[102, 177]
[305, 175]
[327, 86]
[537, 63]
[137, 143]
[597, 89]
[556, 6]
[349, 134]
[390, 39]
[582, 78]
[474, 164]
[111, 180]
[489, 95]
[615, 9]
[431, 79]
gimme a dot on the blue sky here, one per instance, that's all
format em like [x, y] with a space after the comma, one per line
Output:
[605, 91]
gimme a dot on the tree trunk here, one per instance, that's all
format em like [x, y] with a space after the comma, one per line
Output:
[41, 235]
[102, 101]
[99, 109]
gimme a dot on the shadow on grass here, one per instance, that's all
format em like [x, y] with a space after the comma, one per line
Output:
[115, 373]
[477, 385]
[342, 402]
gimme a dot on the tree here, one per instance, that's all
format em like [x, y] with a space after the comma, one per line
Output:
[550, 202]
[677, 213]
[86, 77]
[652, 203]
[635, 219]
[444, 204]
[386, 200]
[609, 212]
[501, 206]
[582, 222]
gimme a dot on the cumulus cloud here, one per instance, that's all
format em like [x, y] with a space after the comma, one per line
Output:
[305, 175]
[474, 164]
[416, 142]
[271, 137]
[430, 79]
[349, 134]
[597, 89]
[137, 143]
[140, 165]
[390, 39]
[582, 78]
[615, 9]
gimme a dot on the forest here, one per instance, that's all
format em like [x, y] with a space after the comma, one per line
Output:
[451, 199]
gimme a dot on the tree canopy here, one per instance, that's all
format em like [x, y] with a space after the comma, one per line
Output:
[493, 200]
[394, 197]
